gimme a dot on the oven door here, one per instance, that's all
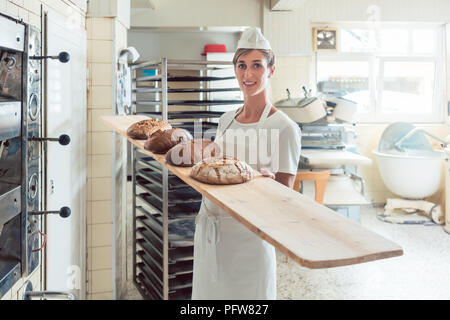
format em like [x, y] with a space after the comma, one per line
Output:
[65, 108]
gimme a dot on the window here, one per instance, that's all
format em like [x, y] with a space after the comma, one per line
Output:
[394, 72]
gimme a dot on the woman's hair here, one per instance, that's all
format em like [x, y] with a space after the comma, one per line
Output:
[268, 54]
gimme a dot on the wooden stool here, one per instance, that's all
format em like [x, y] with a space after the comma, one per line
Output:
[320, 179]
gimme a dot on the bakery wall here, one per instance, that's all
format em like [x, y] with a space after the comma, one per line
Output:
[107, 24]
[290, 36]
[294, 72]
[30, 12]
[192, 13]
[290, 31]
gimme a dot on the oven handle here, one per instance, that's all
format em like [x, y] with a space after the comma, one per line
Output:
[62, 57]
[64, 212]
[63, 139]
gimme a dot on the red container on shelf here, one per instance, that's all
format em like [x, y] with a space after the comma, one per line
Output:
[214, 48]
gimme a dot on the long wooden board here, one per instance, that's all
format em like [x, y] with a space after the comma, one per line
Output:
[307, 232]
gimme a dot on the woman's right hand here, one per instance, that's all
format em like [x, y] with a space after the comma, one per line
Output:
[267, 173]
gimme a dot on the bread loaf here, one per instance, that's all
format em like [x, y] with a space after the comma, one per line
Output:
[188, 153]
[145, 128]
[161, 141]
[222, 170]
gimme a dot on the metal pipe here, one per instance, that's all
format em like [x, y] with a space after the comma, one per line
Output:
[144, 64]
[49, 294]
[398, 144]
[363, 184]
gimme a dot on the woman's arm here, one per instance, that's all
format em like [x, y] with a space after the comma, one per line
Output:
[285, 178]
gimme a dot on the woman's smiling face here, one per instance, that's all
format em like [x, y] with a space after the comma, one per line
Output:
[252, 72]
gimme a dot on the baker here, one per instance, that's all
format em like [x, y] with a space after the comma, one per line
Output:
[230, 261]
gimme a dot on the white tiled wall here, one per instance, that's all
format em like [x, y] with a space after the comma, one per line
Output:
[106, 37]
[99, 229]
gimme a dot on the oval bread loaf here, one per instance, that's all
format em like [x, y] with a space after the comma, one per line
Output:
[222, 170]
[188, 153]
[162, 141]
[143, 129]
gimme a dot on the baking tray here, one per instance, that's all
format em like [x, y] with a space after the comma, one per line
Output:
[182, 78]
[145, 288]
[149, 162]
[182, 294]
[176, 281]
[189, 102]
[175, 196]
[184, 114]
[189, 125]
[145, 89]
[180, 282]
[155, 177]
[175, 268]
[178, 211]
[175, 254]
[181, 231]
[149, 283]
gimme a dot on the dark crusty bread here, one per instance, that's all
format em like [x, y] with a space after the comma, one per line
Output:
[222, 170]
[161, 141]
[188, 153]
[143, 129]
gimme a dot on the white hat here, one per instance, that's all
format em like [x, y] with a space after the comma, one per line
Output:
[252, 38]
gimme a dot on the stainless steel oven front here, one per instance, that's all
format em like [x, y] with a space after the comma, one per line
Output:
[20, 155]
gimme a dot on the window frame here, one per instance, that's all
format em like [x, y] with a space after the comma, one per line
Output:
[376, 62]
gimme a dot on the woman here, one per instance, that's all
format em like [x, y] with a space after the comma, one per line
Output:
[231, 262]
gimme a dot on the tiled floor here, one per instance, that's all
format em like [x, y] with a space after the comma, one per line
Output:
[423, 272]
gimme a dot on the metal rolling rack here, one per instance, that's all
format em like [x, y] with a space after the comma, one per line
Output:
[164, 207]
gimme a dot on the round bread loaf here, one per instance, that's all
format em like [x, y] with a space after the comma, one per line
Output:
[222, 170]
[143, 129]
[161, 141]
[188, 153]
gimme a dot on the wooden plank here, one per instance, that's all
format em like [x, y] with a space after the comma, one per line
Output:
[309, 233]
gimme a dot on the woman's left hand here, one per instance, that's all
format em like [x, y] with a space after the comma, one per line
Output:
[267, 173]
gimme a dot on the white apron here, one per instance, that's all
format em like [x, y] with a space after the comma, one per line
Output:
[230, 261]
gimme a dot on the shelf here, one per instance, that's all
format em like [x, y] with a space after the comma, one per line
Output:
[149, 285]
[181, 231]
[175, 283]
[175, 254]
[179, 211]
[143, 289]
[175, 196]
[149, 78]
[176, 280]
[182, 78]
[190, 102]
[184, 90]
[183, 202]
[185, 114]
[149, 162]
[184, 64]
[156, 178]
[189, 126]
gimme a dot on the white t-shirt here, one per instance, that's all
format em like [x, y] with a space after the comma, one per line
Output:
[273, 144]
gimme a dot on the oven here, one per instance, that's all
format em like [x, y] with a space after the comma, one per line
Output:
[21, 152]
